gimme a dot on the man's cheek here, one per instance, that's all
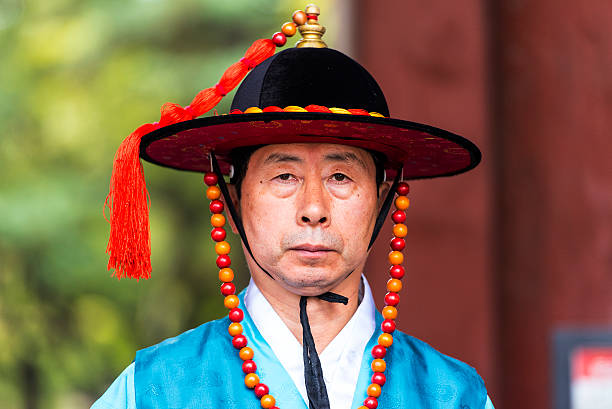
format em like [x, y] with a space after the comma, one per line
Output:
[353, 215]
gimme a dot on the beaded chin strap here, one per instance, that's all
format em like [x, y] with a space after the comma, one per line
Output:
[236, 315]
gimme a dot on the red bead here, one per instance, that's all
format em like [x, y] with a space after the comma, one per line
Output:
[228, 289]
[239, 341]
[403, 189]
[379, 378]
[273, 108]
[379, 351]
[371, 403]
[279, 39]
[223, 261]
[261, 389]
[236, 315]
[396, 271]
[218, 234]
[210, 179]
[397, 244]
[387, 326]
[392, 298]
[216, 206]
[398, 216]
[249, 366]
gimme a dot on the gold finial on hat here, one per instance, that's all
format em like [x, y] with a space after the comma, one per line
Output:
[307, 22]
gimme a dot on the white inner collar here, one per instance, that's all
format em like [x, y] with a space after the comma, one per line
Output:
[340, 360]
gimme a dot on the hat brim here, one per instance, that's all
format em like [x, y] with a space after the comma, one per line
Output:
[423, 151]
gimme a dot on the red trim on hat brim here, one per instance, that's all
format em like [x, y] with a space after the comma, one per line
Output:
[423, 150]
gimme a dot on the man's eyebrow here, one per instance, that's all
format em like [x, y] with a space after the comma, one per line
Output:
[281, 157]
[349, 157]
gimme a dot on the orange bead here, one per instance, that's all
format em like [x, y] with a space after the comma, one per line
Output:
[267, 401]
[389, 312]
[362, 407]
[217, 220]
[231, 301]
[247, 353]
[299, 17]
[226, 275]
[396, 257]
[400, 230]
[213, 192]
[379, 365]
[222, 247]
[374, 390]
[385, 340]
[251, 380]
[402, 202]
[394, 285]
[234, 329]
[289, 29]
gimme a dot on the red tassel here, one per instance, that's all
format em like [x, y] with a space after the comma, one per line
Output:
[129, 245]
[173, 113]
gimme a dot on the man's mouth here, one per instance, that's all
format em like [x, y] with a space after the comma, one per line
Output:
[312, 247]
[312, 250]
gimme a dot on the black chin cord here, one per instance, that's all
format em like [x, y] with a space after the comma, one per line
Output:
[313, 373]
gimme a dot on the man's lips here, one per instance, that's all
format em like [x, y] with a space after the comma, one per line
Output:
[312, 251]
[312, 248]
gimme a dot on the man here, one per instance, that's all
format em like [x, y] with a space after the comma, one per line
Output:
[308, 195]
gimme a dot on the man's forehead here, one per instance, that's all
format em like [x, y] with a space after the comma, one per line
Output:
[306, 152]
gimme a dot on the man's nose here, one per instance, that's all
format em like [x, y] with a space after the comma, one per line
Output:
[313, 207]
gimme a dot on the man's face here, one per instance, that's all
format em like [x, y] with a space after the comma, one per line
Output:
[308, 212]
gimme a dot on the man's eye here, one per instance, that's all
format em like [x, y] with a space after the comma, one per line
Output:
[285, 177]
[339, 177]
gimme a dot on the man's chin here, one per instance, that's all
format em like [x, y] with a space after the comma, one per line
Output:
[310, 281]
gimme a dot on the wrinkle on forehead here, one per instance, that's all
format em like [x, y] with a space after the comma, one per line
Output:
[339, 153]
[348, 157]
[277, 157]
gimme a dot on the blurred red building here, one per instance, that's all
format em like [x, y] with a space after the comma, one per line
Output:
[501, 257]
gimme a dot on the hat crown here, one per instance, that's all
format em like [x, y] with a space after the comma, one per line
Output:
[305, 76]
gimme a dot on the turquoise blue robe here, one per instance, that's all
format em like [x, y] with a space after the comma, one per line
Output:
[201, 369]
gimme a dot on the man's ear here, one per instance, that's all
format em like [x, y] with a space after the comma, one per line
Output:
[383, 189]
[234, 198]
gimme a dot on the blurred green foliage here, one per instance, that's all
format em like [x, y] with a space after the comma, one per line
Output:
[76, 77]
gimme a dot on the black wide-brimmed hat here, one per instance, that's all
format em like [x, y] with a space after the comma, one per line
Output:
[285, 99]
[306, 94]
[305, 82]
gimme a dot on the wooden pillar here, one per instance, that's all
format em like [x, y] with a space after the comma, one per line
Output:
[552, 82]
[501, 257]
[430, 60]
